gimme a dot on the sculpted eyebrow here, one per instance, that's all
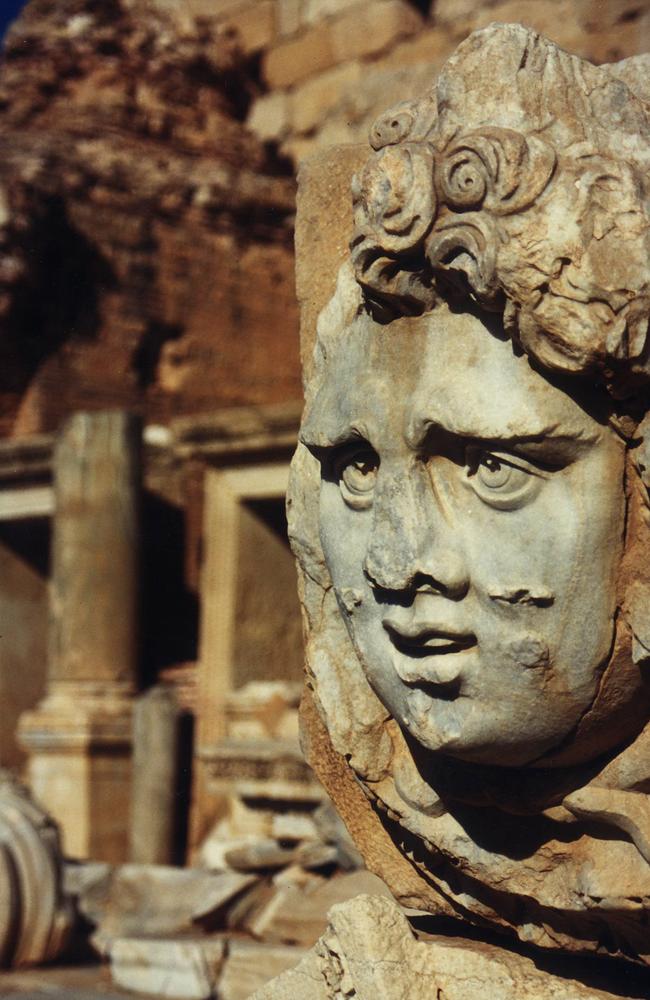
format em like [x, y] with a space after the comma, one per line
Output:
[332, 436]
[553, 450]
[544, 440]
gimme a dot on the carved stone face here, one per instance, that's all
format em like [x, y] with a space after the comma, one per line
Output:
[472, 531]
[472, 517]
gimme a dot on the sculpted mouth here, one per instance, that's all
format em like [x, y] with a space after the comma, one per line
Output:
[426, 641]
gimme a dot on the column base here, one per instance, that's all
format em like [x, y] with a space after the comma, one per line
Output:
[79, 742]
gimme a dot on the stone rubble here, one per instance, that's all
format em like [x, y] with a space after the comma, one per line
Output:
[191, 933]
[182, 969]
[156, 900]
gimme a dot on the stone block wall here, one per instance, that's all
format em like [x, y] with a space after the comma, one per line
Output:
[330, 66]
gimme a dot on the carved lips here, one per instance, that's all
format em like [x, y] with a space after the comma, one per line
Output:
[434, 647]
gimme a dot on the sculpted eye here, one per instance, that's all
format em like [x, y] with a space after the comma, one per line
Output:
[502, 481]
[356, 471]
[495, 473]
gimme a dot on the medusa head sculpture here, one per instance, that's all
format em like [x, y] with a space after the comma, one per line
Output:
[469, 505]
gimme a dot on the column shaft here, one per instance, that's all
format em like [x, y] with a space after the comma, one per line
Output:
[79, 736]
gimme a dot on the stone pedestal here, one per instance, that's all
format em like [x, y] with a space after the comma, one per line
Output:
[79, 736]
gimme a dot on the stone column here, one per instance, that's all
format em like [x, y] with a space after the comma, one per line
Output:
[79, 737]
[154, 796]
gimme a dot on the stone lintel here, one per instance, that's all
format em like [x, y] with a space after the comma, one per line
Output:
[240, 431]
[223, 436]
[26, 459]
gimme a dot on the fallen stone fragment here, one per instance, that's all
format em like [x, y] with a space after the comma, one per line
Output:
[316, 855]
[263, 855]
[219, 843]
[268, 855]
[250, 902]
[79, 877]
[297, 913]
[250, 965]
[293, 826]
[156, 900]
[187, 969]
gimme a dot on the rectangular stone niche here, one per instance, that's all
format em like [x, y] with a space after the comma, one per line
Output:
[250, 664]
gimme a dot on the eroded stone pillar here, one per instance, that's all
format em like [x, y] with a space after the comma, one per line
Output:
[154, 799]
[79, 737]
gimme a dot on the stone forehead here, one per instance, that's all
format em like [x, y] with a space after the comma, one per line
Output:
[443, 368]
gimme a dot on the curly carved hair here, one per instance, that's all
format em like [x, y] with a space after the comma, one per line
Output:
[526, 188]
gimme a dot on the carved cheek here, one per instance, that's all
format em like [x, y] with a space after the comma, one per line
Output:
[551, 565]
[519, 563]
[344, 537]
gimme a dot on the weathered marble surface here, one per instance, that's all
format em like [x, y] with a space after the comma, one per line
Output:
[370, 951]
[469, 505]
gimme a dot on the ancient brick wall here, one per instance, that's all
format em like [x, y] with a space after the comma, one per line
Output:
[145, 233]
[147, 153]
